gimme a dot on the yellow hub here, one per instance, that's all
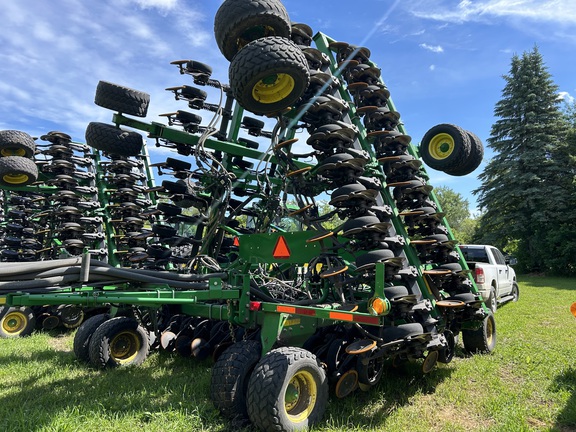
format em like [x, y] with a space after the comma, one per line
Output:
[489, 331]
[300, 396]
[15, 178]
[124, 347]
[13, 152]
[14, 323]
[273, 88]
[441, 146]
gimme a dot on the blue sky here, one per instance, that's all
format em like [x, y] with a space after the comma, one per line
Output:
[442, 60]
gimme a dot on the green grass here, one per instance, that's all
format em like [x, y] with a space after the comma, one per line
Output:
[528, 383]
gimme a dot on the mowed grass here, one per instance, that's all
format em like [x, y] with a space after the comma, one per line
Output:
[528, 383]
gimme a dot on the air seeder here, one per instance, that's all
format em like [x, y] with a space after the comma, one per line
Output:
[298, 243]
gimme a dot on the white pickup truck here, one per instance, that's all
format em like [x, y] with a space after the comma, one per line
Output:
[494, 276]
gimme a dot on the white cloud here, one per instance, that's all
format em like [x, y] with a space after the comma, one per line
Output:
[566, 97]
[553, 11]
[433, 48]
[432, 67]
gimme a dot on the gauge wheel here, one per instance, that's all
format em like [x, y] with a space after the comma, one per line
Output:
[288, 390]
[269, 75]
[112, 140]
[238, 23]
[120, 341]
[483, 339]
[230, 376]
[16, 322]
[445, 147]
[16, 143]
[121, 99]
[17, 171]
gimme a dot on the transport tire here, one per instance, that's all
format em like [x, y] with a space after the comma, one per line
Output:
[287, 391]
[483, 340]
[16, 322]
[16, 171]
[230, 377]
[121, 99]
[16, 143]
[475, 158]
[269, 75]
[238, 23]
[84, 334]
[120, 341]
[112, 140]
[445, 147]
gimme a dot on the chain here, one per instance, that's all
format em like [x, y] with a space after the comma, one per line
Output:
[230, 326]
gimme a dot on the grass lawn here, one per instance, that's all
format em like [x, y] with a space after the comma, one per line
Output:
[528, 383]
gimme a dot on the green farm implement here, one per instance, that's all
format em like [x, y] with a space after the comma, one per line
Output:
[294, 237]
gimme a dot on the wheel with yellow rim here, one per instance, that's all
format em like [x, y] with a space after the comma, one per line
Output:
[288, 390]
[483, 339]
[475, 158]
[120, 341]
[269, 75]
[16, 171]
[239, 22]
[445, 147]
[16, 322]
[16, 143]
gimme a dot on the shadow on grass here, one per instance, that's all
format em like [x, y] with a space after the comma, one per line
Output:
[566, 419]
[396, 388]
[57, 387]
[169, 383]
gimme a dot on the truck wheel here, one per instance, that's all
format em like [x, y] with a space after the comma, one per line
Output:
[445, 147]
[122, 99]
[110, 139]
[287, 391]
[120, 341]
[84, 334]
[491, 301]
[238, 23]
[515, 292]
[269, 75]
[17, 171]
[16, 143]
[475, 158]
[482, 340]
[230, 376]
[16, 322]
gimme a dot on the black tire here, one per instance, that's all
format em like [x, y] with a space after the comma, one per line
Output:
[110, 139]
[482, 340]
[269, 75]
[122, 99]
[16, 322]
[515, 292]
[16, 143]
[230, 376]
[445, 147]
[17, 171]
[475, 158]
[84, 334]
[279, 370]
[491, 301]
[71, 316]
[120, 341]
[238, 23]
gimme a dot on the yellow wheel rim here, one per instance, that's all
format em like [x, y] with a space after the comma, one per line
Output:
[273, 88]
[441, 146]
[13, 152]
[489, 331]
[14, 323]
[15, 178]
[300, 396]
[124, 347]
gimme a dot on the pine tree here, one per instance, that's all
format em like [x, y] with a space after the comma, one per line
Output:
[525, 195]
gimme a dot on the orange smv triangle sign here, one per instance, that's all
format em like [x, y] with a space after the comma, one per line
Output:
[281, 249]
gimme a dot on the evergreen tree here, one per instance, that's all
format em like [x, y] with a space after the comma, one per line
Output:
[525, 195]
